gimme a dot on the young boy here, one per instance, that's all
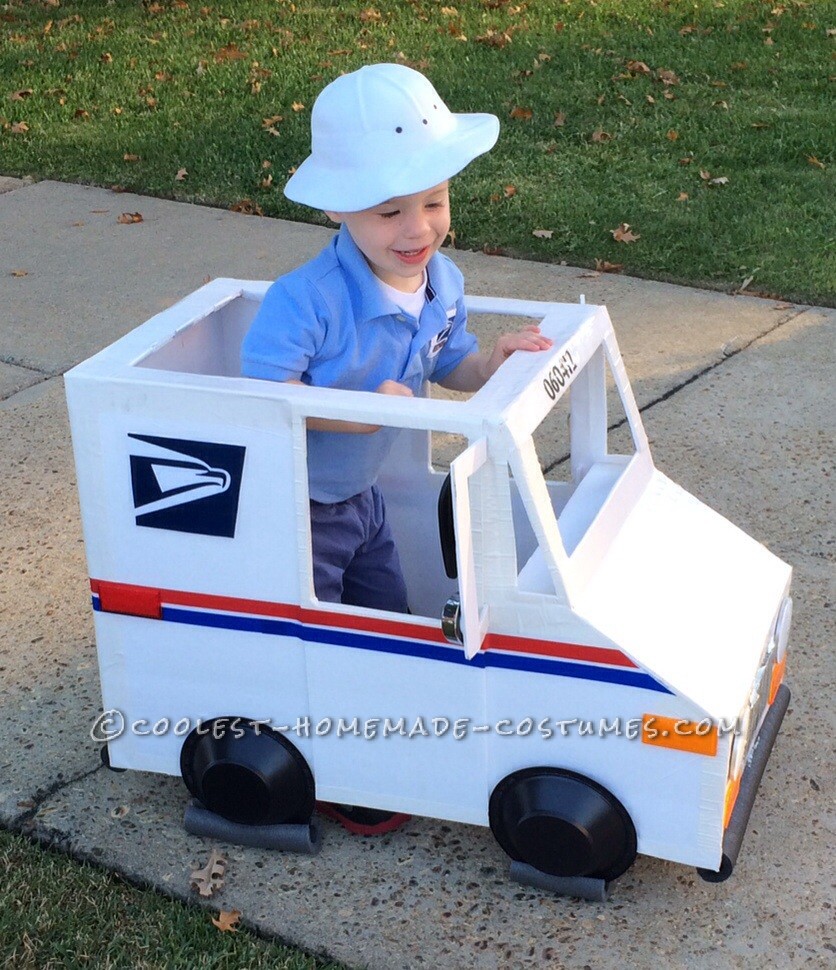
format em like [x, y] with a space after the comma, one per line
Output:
[379, 309]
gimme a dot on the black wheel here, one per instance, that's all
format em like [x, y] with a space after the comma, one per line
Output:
[247, 773]
[562, 823]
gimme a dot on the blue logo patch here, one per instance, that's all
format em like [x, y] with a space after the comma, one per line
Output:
[186, 486]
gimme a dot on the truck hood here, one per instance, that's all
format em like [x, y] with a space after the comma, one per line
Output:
[689, 596]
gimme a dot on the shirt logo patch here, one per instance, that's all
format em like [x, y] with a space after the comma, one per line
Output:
[440, 339]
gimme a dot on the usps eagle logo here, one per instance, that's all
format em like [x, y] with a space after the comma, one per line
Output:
[186, 486]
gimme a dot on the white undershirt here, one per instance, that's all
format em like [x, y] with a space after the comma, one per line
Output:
[411, 303]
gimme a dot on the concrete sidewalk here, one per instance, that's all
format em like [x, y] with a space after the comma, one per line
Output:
[737, 398]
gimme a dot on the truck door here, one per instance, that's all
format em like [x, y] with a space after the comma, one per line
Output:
[466, 619]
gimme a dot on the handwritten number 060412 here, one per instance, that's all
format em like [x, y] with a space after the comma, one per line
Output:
[555, 380]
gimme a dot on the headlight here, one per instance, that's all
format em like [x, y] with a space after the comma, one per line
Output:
[782, 628]
[751, 717]
[740, 744]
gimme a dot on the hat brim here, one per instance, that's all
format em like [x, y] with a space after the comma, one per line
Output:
[321, 187]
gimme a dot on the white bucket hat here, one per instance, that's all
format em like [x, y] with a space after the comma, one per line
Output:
[382, 132]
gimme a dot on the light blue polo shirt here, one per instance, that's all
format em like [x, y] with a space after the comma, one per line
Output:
[329, 324]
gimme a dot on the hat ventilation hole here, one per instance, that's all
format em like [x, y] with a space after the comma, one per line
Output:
[399, 130]
[425, 121]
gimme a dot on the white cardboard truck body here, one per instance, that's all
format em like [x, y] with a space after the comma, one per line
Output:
[613, 598]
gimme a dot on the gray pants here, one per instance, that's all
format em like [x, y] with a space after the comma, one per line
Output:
[354, 556]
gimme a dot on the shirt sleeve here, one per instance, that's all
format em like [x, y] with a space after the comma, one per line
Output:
[284, 335]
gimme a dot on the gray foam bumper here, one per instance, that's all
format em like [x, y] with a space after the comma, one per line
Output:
[585, 887]
[305, 839]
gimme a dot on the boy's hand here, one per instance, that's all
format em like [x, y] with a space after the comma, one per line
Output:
[529, 338]
[393, 387]
[475, 370]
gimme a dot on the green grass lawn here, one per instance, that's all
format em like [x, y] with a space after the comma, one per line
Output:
[56, 913]
[612, 111]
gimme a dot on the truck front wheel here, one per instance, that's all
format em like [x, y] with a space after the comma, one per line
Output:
[563, 824]
[246, 772]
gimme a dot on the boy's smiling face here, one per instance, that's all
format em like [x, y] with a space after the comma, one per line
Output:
[399, 237]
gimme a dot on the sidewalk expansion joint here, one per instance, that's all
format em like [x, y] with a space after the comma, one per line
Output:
[17, 362]
[25, 822]
[727, 355]
[9, 399]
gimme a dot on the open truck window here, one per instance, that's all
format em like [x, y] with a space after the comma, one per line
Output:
[583, 445]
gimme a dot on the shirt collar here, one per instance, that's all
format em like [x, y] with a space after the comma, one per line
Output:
[368, 300]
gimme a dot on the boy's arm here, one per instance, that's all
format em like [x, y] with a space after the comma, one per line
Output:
[475, 369]
[354, 427]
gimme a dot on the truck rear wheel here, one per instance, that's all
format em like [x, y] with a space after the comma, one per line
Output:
[246, 772]
[562, 823]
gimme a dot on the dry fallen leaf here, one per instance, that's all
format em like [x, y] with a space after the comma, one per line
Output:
[667, 77]
[128, 218]
[494, 38]
[19, 128]
[19, 272]
[672, 135]
[814, 161]
[210, 878]
[600, 136]
[682, 197]
[181, 175]
[247, 207]
[524, 114]
[624, 234]
[603, 266]
[637, 67]
[559, 119]
[128, 157]
[705, 175]
[721, 180]
[369, 15]
[509, 191]
[297, 106]
[20, 95]
[226, 920]
[543, 233]
[229, 53]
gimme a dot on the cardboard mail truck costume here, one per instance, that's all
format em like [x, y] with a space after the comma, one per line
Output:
[594, 663]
